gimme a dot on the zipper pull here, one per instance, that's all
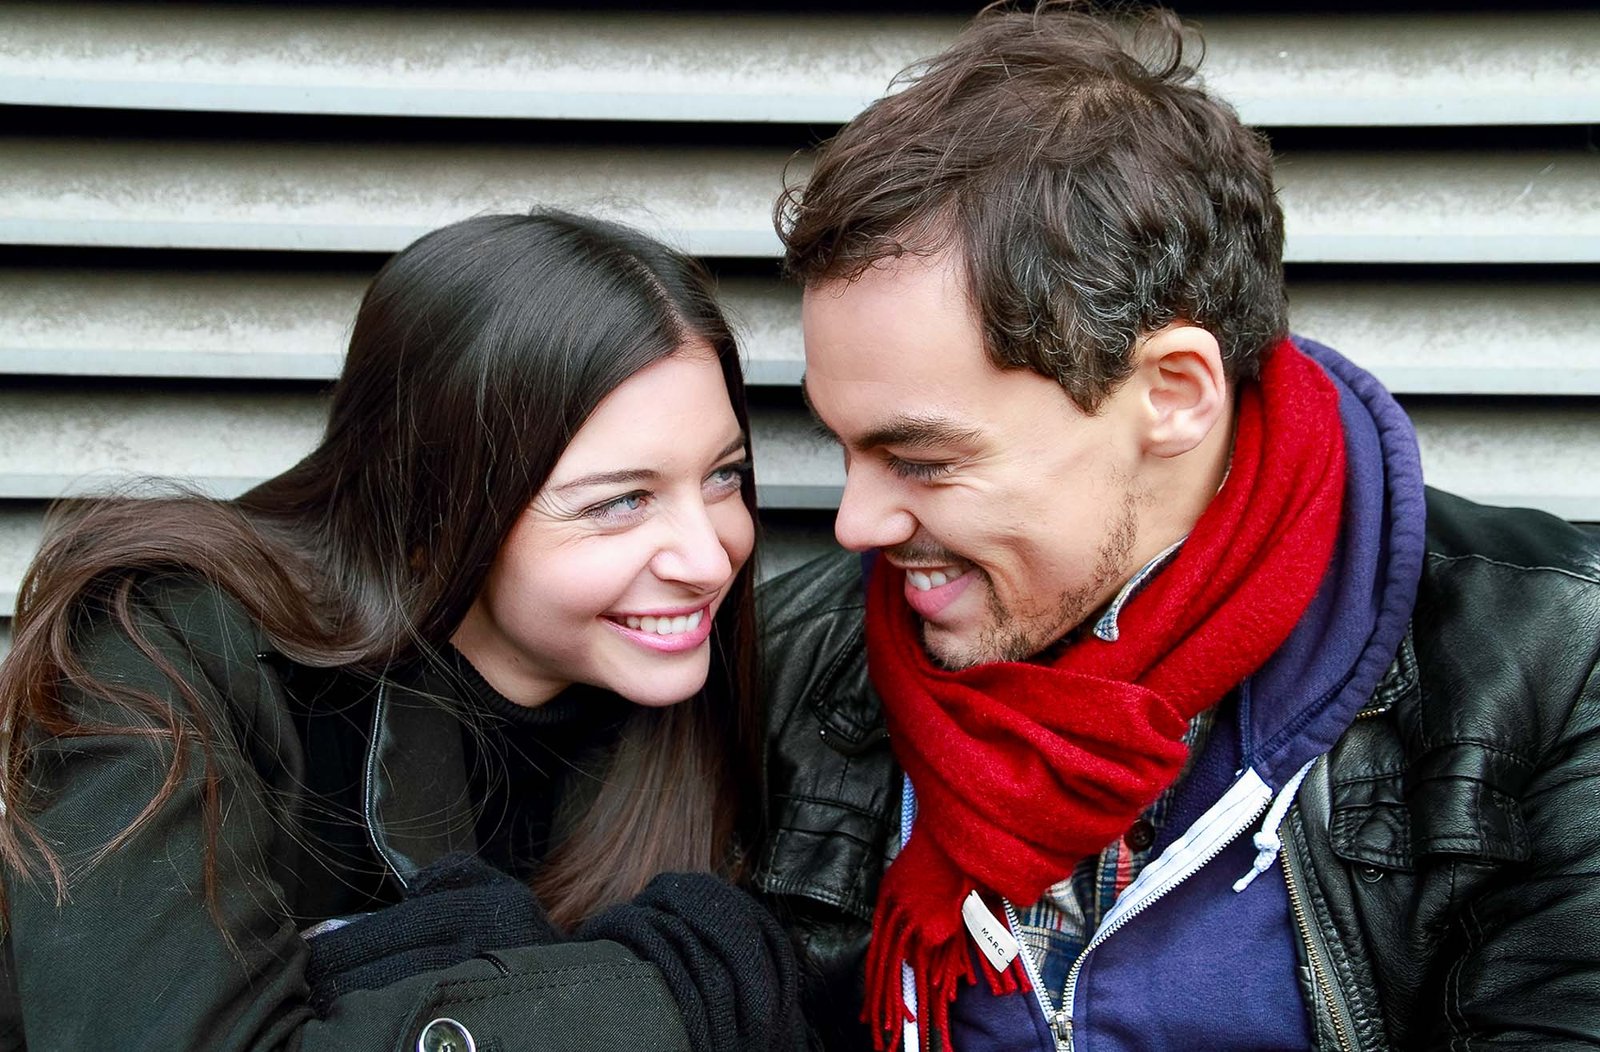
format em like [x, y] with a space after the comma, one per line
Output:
[1061, 1024]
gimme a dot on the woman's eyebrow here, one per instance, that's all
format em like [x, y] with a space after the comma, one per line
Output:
[611, 478]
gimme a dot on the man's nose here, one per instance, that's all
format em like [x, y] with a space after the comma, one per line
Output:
[871, 513]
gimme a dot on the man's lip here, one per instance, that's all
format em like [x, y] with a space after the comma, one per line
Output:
[931, 603]
[957, 565]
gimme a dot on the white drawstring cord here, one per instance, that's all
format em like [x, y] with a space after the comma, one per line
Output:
[1267, 841]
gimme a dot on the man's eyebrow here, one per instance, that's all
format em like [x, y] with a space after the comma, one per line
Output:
[611, 478]
[919, 431]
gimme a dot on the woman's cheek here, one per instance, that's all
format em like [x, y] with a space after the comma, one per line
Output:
[737, 532]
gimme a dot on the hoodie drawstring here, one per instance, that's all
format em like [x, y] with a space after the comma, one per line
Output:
[1267, 841]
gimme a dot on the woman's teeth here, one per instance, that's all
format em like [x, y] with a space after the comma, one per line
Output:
[922, 582]
[666, 626]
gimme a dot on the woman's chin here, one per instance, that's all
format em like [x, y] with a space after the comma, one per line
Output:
[659, 688]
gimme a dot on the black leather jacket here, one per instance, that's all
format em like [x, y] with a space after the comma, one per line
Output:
[1443, 859]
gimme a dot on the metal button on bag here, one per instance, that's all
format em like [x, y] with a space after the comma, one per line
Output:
[446, 1035]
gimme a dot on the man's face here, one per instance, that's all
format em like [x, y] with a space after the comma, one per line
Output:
[1014, 513]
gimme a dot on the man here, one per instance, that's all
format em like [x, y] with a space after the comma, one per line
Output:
[1182, 716]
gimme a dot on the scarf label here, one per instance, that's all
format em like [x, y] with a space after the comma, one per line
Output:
[992, 937]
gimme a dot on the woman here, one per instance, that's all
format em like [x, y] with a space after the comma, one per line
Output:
[280, 771]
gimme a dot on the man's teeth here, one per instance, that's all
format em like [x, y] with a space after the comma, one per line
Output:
[667, 626]
[923, 581]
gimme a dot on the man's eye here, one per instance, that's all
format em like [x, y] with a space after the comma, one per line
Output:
[917, 470]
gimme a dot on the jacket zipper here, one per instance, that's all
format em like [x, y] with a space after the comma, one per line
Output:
[1061, 1019]
[1342, 1028]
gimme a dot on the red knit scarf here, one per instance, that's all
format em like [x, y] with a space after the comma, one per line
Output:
[1022, 770]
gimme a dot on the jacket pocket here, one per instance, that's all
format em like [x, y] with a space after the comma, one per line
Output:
[1370, 825]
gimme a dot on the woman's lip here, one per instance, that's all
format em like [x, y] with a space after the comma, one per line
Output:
[674, 611]
[672, 644]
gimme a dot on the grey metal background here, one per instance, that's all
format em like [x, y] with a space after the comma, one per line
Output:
[192, 196]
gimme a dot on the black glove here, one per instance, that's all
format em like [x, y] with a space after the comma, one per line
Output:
[729, 965]
[455, 909]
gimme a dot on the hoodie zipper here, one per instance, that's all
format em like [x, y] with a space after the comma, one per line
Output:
[1059, 1019]
[1343, 1028]
[1232, 823]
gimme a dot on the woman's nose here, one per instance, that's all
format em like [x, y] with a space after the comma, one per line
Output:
[695, 554]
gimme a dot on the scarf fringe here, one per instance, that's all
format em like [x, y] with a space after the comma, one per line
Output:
[937, 968]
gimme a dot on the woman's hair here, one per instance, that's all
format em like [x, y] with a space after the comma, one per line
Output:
[477, 354]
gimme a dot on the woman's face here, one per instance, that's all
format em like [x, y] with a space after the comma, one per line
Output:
[613, 574]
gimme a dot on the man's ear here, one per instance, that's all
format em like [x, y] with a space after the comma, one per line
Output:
[1184, 390]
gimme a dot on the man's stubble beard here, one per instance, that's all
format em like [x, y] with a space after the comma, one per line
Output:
[1005, 637]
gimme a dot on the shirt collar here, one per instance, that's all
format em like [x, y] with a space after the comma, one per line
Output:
[1106, 627]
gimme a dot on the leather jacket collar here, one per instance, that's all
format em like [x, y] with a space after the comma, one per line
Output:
[415, 797]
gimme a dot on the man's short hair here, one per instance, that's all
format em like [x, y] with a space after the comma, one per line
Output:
[1092, 189]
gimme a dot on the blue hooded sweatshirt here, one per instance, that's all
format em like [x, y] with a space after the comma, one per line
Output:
[1200, 950]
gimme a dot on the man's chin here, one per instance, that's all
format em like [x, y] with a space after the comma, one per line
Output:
[950, 650]
[982, 645]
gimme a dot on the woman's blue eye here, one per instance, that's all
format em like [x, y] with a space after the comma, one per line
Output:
[729, 476]
[619, 507]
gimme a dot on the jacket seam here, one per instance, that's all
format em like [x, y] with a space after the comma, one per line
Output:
[851, 904]
[1477, 557]
[826, 801]
[1488, 746]
[1453, 1012]
[1370, 779]
[783, 628]
[830, 716]
[547, 979]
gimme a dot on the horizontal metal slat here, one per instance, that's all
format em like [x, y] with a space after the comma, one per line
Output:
[1467, 337]
[20, 528]
[176, 323]
[378, 198]
[1521, 67]
[1511, 206]
[1419, 337]
[1282, 69]
[67, 442]
[633, 65]
[56, 442]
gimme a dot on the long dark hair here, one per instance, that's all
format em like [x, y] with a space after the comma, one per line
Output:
[477, 354]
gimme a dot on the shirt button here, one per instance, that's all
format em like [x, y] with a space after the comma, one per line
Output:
[446, 1035]
[1140, 835]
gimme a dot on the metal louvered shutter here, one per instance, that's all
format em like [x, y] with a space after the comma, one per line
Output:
[192, 196]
